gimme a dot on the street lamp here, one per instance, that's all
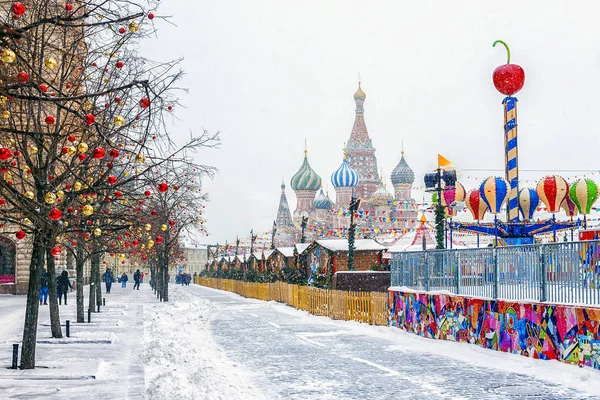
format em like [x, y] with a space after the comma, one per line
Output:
[438, 181]
[354, 205]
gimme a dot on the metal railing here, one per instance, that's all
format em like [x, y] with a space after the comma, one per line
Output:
[567, 272]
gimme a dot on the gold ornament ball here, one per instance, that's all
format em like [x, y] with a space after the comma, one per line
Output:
[88, 210]
[147, 227]
[50, 63]
[32, 149]
[163, 227]
[50, 198]
[88, 105]
[8, 176]
[8, 56]
[5, 114]
[82, 147]
[71, 150]
[77, 186]
[97, 232]
[133, 27]
[150, 243]
[27, 221]
[119, 120]
[60, 194]
[29, 194]
[140, 158]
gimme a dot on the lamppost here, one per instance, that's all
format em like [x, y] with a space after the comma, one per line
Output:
[354, 205]
[303, 226]
[443, 178]
[273, 233]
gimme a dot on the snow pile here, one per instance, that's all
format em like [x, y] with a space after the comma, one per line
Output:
[181, 358]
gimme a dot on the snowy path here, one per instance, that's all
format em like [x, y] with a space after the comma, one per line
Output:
[299, 356]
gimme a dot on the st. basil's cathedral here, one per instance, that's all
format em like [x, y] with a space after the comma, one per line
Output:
[380, 213]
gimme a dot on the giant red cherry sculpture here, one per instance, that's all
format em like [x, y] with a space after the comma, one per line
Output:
[508, 78]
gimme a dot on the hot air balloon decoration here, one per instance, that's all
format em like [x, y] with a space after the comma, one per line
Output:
[449, 196]
[494, 191]
[528, 203]
[552, 191]
[476, 205]
[584, 194]
[569, 207]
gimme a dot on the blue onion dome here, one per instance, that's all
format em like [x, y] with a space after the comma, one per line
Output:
[345, 176]
[381, 195]
[306, 178]
[403, 174]
[322, 201]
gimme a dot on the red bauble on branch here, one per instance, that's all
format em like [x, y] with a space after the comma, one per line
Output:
[69, 7]
[150, 16]
[55, 214]
[144, 102]
[114, 153]
[508, 78]
[147, 193]
[18, 9]
[20, 235]
[98, 153]
[163, 187]
[112, 180]
[22, 77]
[55, 251]
[5, 153]
[89, 119]
[49, 120]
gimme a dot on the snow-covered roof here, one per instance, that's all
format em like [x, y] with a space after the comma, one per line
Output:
[300, 247]
[286, 251]
[257, 255]
[359, 245]
[240, 257]
[267, 253]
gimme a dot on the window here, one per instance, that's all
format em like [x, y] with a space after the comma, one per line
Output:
[7, 260]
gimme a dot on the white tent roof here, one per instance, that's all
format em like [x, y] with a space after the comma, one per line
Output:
[359, 245]
[286, 251]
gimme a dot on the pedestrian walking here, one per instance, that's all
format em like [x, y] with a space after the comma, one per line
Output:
[124, 279]
[136, 279]
[44, 287]
[107, 277]
[62, 286]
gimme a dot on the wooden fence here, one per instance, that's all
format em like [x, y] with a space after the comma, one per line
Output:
[368, 307]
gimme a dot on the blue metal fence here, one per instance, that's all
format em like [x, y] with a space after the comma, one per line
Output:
[567, 272]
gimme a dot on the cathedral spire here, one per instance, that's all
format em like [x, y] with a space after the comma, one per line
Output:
[284, 217]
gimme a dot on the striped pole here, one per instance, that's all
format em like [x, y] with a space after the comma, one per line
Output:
[511, 157]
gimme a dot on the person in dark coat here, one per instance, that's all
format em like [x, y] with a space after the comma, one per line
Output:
[136, 279]
[107, 277]
[62, 286]
[44, 287]
[124, 279]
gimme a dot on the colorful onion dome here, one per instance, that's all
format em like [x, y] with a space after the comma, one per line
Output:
[322, 202]
[359, 94]
[306, 178]
[382, 195]
[403, 174]
[345, 176]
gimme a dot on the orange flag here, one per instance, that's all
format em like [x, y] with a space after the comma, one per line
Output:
[443, 162]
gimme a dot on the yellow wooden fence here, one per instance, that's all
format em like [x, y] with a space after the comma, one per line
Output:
[368, 307]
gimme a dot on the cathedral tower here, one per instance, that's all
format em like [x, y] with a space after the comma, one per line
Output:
[344, 180]
[403, 178]
[284, 218]
[360, 151]
[305, 183]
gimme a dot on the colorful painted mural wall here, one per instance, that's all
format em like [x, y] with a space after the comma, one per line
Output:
[565, 333]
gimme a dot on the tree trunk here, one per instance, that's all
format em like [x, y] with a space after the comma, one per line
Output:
[165, 257]
[54, 313]
[31, 311]
[97, 280]
[79, 268]
[93, 283]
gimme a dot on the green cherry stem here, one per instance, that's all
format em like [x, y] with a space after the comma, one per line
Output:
[505, 45]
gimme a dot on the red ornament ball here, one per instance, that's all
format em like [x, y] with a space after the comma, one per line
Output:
[121, 30]
[18, 9]
[89, 119]
[5, 153]
[159, 239]
[55, 214]
[22, 77]
[82, 156]
[144, 102]
[55, 251]
[43, 88]
[49, 120]
[71, 138]
[120, 64]
[20, 235]
[69, 7]
[98, 153]
[114, 153]
[163, 187]
[111, 180]
[150, 16]
[170, 108]
[147, 193]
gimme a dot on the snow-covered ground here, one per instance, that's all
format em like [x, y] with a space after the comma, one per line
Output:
[209, 344]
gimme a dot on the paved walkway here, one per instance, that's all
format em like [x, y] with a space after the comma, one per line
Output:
[298, 356]
[100, 360]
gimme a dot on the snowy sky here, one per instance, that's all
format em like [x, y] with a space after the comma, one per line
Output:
[270, 73]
